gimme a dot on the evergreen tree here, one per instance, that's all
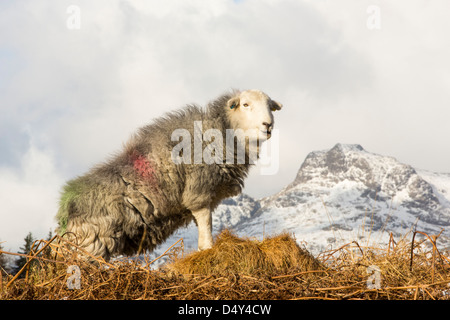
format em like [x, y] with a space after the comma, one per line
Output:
[25, 249]
[50, 235]
[3, 261]
[48, 250]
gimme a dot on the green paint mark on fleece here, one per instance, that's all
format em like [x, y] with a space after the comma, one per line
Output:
[69, 195]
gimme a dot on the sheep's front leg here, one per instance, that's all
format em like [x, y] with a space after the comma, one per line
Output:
[204, 225]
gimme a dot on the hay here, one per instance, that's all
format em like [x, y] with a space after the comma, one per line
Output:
[231, 254]
[240, 268]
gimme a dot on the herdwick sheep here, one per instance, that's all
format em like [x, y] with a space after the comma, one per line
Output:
[156, 184]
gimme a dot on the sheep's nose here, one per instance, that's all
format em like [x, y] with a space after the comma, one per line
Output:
[267, 125]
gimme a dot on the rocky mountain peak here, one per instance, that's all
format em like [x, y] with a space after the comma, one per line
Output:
[353, 163]
[330, 163]
[377, 177]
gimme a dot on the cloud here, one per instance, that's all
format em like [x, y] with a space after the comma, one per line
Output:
[80, 93]
[28, 197]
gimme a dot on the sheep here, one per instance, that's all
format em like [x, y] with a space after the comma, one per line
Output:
[135, 200]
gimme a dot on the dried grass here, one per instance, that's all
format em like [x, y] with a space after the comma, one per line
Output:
[237, 268]
[231, 254]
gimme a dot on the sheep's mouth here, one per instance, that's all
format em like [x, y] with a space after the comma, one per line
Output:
[268, 133]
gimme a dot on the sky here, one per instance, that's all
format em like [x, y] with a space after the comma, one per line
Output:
[77, 78]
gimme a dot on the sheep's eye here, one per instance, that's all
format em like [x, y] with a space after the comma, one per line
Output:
[245, 104]
[273, 109]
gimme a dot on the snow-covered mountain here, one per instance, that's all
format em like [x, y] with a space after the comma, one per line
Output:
[341, 195]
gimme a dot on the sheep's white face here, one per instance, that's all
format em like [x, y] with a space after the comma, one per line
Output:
[251, 111]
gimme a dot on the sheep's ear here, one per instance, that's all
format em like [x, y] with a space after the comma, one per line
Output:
[233, 103]
[274, 105]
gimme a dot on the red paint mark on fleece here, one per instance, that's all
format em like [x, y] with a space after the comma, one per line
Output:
[143, 167]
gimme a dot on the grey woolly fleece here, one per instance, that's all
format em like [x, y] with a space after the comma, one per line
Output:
[140, 196]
